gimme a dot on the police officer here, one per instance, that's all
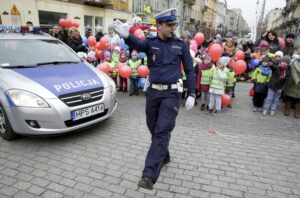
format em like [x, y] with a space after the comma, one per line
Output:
[165, 54]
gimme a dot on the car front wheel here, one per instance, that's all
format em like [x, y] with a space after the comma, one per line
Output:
[6, 130]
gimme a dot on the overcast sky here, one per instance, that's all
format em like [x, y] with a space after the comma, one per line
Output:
[249, 8]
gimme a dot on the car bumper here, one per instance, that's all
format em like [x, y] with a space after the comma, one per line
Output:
[57, 119]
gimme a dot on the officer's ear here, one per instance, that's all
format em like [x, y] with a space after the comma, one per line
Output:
[158, 25]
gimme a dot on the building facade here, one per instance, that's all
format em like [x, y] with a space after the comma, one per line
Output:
[88, 13]
[221, 17]
[271, 17]
[236, 25]
[209, 17]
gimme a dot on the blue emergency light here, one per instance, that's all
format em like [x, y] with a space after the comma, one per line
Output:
[18, 28]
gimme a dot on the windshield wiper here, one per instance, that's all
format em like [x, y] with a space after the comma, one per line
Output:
[17, 66]
[56, 62]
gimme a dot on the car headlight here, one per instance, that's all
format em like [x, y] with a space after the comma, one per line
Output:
[112, 85]
[26, 99]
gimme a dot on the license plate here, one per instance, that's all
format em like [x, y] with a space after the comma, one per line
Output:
[87, 112]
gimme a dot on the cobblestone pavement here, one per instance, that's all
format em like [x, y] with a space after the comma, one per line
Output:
[250, 155]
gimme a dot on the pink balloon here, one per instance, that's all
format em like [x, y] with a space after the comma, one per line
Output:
[215, 51]
[199, 38]
[225, 100]
[92, 40]
[239, 67]
[240, 55]
[68, 23]
[62, 22]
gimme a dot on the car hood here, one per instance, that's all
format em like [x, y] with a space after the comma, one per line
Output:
[58, 79]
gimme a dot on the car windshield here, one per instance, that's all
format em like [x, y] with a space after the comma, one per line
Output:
[23, 52]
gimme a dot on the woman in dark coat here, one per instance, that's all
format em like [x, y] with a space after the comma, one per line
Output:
[75, 42]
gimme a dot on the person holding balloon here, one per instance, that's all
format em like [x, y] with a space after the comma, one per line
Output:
[163, 89]
[261, 76]
[75, 42]
[112, 66]
[217, 85]
[134, 63]
[273, 41]
[229, 48]
[230, 83]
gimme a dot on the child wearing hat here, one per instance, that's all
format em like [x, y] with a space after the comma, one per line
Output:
[123, 81]
[261, 76]
[217, 86]
[134, 63]
[278, 82]
[230, 82]
[204, 80]
[116, 54]
[112, 65]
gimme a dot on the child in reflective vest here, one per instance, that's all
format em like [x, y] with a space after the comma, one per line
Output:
[123, 81]
[204, 79]
[260, 77]
[112, 65]
[134, 63]
[230, 83]
[217, 85]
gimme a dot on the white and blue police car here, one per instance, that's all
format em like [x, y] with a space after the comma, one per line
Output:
[46, 88]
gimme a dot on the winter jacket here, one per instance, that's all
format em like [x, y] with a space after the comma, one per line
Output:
[275, 83]
[293, 89]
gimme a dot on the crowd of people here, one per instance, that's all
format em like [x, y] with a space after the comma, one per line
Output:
[272, 66]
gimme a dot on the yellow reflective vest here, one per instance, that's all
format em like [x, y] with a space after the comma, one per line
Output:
[134, 66]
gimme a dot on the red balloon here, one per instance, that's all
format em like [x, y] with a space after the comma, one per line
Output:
[251, 92]
[68, 23]
[125, 71]
[139, 34]
[76, 24]
[199, 38]
[97, 46]
[225, 100]
[103, 67]
[281, 42]
[104, 43]
[239, 67]
[99, 54]
[73, 23]
[143, 71]
[240, 55]
[231, 63]
[215, 51]
[92, 41]
[62, 22]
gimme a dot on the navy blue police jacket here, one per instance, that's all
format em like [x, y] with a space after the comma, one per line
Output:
[164, 58]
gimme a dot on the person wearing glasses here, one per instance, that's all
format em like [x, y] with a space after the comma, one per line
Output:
[165, 53]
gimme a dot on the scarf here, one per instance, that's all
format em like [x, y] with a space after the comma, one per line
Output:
[265, 71]
[282, 72]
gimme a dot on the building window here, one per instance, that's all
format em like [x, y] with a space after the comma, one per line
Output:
[98, 21]
[50, 18]
[88, 25]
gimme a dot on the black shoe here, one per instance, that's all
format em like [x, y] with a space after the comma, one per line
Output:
[146, 182]
[125, 90]
[119, 90]
[233, 96]
[136, 93]
[203, 107]
[131, 94]
[166, 161]
[210, 112]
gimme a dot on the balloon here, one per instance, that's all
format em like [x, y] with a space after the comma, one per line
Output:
[103, 67]
[84, 40]
[143, 71]
[239, 67]
[104, 43]
[62, 22]
[199, 38]
[125, 71]
[99, 54]
[141, 82]
[68, 23]
[281, 42]
[76, 24]
[225, 100]
[254, 63]
[73, 23]
[231, 63]
[139, 34]
[240, 55]
[92, 41]
[142, 55]
[118, 66]
[97, 46]
[251, 92]
[215, 52]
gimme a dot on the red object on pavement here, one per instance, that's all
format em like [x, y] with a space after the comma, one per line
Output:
[212, 132]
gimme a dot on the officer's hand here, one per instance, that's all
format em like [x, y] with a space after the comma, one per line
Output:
[121, 28]
[190, 102]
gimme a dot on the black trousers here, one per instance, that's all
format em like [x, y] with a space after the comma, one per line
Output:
[258, 99]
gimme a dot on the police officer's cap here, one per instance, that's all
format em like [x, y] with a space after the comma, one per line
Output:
[166, 16]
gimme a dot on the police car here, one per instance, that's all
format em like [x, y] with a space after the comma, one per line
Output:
[46, 88]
